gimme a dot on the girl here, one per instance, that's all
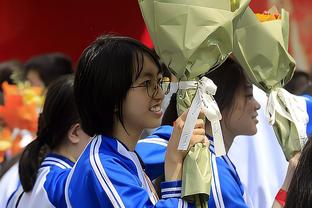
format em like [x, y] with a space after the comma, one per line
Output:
[43, 69]
[46, 161]
[239, 117]
[239, 111]
[118, 94]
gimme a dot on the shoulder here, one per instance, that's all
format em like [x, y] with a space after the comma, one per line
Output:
[102, 159]
[163, 132]
[101, 174]
[226, 186]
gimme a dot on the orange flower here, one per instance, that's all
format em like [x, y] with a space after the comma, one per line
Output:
[266, 16]
[17, 112]
[5, 139]
[5, 142]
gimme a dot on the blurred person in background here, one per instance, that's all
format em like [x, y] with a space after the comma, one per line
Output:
[41, 70]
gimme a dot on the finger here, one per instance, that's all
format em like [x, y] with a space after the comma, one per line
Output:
[197, 139]
[199, 131]
[206, 141]
[178, 124]
[183, 116]
[200, 123]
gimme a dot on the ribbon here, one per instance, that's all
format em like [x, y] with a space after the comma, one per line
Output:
[203, 100]
[291, 107]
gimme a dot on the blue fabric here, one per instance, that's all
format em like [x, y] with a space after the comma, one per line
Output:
[171, 189]
[231, 187]
[152, 151]
[308, 100]
[50, 183]
[55, 180]
[163, 132]
[106, 175]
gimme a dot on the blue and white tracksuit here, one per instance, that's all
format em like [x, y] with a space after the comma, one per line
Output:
[227, 189]
[49, 187]
[109, 175]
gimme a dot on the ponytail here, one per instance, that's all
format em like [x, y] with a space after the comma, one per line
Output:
[29, 163]
[58, 115]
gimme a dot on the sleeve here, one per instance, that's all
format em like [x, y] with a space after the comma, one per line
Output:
[55, 186]
[152, 151]
[112, 184]
[229, 193]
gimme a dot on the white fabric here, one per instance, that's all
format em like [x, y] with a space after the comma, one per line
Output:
[259, 160]
[8, 184]
[296, 111]
[38, 197]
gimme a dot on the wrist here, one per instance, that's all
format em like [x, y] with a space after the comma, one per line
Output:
[172, 157]
[285, 185]
[281, 197]
[173, 171]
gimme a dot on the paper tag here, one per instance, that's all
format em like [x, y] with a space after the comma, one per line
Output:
[218, 138]
[190, 123]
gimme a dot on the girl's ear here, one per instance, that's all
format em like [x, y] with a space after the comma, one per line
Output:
[73, 133]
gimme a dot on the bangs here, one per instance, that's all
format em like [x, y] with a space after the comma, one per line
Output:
[138, 61]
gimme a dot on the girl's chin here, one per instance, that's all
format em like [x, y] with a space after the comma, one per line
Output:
[250, 132]
[153, 124]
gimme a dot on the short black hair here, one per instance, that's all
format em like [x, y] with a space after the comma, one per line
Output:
[49, 66]
[106, 70]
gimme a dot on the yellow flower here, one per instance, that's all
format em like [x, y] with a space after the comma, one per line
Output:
[266, 16]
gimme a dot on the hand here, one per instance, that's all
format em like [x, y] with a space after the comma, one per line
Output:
[293, 162]
[174, 157]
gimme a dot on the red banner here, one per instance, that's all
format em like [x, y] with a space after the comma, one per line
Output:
[32, 27]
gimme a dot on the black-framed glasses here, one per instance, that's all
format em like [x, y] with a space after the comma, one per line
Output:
[152, 87]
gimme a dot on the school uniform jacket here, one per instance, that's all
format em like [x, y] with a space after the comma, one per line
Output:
[49, 187]
[152, 151]
[227, 189]
[107, 175]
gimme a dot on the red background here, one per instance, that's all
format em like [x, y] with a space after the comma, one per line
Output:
[32, 27]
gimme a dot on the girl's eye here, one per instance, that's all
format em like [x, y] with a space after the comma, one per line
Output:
[146, 83]
[249, 96]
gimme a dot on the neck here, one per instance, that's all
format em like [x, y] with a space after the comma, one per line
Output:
[67, 151]
[228, 137]
[129, 138]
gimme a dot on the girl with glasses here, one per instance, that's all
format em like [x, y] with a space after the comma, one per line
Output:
[118, 94]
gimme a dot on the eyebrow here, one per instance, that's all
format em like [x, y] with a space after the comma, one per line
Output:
[148, 74]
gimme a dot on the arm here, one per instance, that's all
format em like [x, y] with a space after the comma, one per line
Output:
[174, 157]
[152, 151]
[110, 180]
[290, 172]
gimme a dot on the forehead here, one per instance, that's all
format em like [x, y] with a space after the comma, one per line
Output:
[244, 88]
[149, 68]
